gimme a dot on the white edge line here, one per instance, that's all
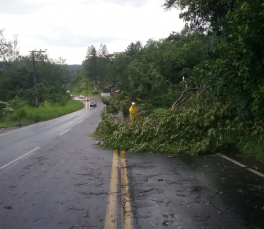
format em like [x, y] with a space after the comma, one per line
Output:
[229, 159]
[241, 165]
[64, 132]
[19, 158]
[80, 122]
[256, 172]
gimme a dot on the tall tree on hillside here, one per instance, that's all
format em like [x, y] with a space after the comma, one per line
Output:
[65, 73]
[15, 49]
[5, 47]
[134, 48]
[103, 51]
[119, 73]
[204, 15]
[90, 62]
[103, 59]
[91, 52]
[100, 69]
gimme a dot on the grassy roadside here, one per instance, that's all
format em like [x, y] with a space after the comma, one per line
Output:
[28, 115]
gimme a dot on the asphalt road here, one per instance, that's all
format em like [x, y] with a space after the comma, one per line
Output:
[63, 183]
[54, 176]
[194, 192]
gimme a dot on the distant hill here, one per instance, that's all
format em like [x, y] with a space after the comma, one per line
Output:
[74, 67]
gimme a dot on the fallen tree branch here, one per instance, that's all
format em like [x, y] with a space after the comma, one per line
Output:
[181, 100]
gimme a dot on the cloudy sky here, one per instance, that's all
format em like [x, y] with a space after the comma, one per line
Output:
[67, 27]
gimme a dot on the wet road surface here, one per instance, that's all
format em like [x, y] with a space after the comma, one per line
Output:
[69, 182]
[194, 192]
[63, 184]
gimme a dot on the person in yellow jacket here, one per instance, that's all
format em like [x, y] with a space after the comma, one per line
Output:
[132, 111]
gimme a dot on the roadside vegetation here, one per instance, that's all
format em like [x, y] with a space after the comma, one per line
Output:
[203, 125]
[22, 114]
[17, 94]
[198, 91]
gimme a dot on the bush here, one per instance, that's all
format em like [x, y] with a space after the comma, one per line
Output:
[125, 105]
[64, 99]
[17, 103]
[45, 104]
[144, 109]
[19, 114]
[112, 105]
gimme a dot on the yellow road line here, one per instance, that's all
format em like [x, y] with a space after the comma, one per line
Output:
[111, 215]
[127, 213]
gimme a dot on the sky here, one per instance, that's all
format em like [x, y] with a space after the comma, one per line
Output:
[66, 28]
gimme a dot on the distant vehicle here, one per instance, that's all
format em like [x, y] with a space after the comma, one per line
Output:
[93, 103]
[87, 99]
[81, 96]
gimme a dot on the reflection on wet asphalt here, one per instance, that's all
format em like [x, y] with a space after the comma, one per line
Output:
[194, 192]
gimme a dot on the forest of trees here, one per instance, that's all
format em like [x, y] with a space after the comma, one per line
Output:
[210, 76]
[221, 49]
[17, 81]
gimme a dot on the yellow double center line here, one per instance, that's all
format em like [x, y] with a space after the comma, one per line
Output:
[126, 210]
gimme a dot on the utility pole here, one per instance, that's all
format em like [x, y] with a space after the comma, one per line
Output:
[35, 75]
[87, 83]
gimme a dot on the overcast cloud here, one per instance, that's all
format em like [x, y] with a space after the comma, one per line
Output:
[136, 3]
[17, 7]
[66, 28]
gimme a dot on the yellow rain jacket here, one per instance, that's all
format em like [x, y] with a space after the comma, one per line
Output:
[132, 111]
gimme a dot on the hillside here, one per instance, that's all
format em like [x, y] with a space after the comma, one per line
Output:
[74, 67]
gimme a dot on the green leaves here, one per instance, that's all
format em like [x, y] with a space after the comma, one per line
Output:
[204, 124]
[240, 63]
[205, 15]
[6, 47]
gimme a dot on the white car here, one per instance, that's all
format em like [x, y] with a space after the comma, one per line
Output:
[81, 96]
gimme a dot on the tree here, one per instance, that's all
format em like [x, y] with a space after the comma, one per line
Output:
[133, 48]
[103, 51]
[117, 71]
[238, 70]
[16, 79]
[5, 47]
[205, 15]
[90, 62]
